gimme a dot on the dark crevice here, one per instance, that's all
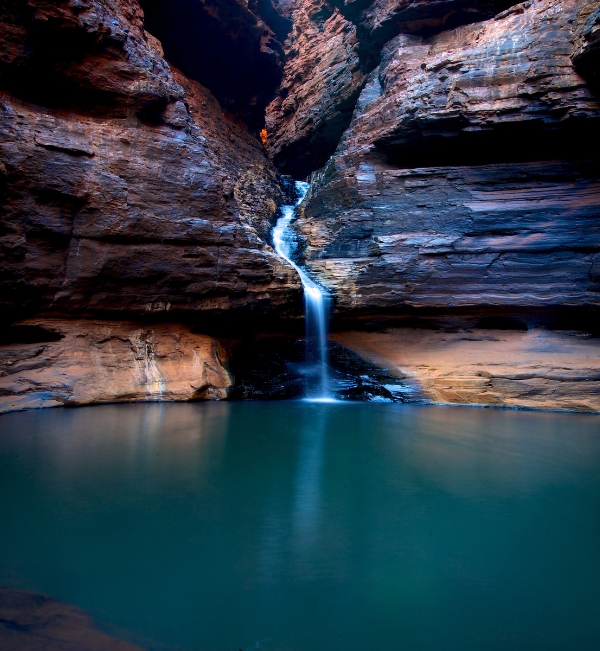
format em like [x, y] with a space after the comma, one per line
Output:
[272, 14]
[586, 57]
[501, 323]
[27, 334]
[309, 154]
[553, 317]
[225, 46]
[514, 142]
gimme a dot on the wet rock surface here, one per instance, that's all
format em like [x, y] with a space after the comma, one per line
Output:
[586, 53]
[274, 368]
[537, 369]
[60, 363]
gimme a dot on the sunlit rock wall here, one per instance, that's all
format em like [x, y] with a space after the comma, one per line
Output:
[87, 362]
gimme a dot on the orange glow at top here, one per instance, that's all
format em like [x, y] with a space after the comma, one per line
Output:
[263, 136]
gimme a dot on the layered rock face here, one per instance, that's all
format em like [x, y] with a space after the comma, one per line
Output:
[453, 150]
[125, 186]
[323, 79]
[538, 369]
[58, 362]
[330, 51]
[586, 54]
[231, 47]
[469, 175]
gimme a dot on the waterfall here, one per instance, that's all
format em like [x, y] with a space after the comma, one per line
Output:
[317, 305]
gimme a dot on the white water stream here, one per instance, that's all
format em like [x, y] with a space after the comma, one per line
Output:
[317, 306]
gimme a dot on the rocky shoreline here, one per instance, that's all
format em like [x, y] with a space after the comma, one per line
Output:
[53, 363]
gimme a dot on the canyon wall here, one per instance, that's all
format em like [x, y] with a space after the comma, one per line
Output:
[125, 186]
[452, 147]
[56, 362]
[469, 174]
[453, 153]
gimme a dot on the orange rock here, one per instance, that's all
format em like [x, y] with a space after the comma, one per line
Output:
[104, 361]
[538, 369]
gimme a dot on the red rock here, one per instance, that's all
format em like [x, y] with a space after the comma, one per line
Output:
[125, 187]
[448, 189]
[538, 369]
[331, 49]
[322, 80]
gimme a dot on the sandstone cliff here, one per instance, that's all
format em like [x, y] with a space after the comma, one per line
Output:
[469, 174]
[330, 51]
[453, 150]
[53, 362]
[125, 186]
[466, 181]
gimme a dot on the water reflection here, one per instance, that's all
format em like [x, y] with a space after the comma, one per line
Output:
[309, 526]
[307, 482]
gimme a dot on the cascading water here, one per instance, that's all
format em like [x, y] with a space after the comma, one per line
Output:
[317, 305]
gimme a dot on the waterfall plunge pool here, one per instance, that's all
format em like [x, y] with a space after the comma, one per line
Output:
[302, 526]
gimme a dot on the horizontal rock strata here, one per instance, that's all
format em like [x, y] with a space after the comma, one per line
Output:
[124, 186]
[323, 77]
[331, 49]
[538, 369]
[229, 46]
[86, 362]
[461, 180]
[496, 235]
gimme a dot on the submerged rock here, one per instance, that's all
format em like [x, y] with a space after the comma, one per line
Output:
[36, 622]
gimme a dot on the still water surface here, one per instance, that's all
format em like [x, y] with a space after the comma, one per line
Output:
[309, 527]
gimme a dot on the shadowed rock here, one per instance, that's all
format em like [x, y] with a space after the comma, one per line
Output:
[418, 209]
[330, 51]
[124, 186]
